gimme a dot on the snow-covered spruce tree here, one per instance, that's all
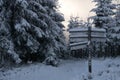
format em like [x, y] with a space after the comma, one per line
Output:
[117, 19]
[29, 29]
[36, 29]
[75, 22]
[55, 27]
[104, 12]
[6, 41]
[103, 19]
[115, 32]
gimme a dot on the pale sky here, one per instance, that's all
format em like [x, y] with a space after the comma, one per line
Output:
[79, 8]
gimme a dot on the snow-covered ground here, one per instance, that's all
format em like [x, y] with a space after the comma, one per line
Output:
[103, 69]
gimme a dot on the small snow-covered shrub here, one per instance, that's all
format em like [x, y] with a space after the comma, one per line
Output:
[52, 60]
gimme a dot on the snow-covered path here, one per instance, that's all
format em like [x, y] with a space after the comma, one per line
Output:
[68, 70]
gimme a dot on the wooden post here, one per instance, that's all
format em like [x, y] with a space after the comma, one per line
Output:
[89, 52]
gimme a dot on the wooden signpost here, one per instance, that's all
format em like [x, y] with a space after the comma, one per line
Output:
[82, 37]
[79, 37]
[82, 34]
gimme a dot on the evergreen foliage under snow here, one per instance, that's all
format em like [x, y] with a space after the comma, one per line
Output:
[104, 12]
[31, 29]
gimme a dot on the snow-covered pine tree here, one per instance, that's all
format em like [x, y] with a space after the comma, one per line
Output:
[29, 29]
[115, 31]
[104, 12]
[6, 42]
[33, 30]
[117, 18]
[55, 29]
[75, 22]
[103, 19]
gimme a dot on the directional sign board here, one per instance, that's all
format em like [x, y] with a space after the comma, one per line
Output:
[81, 34]
[79, 45]
[78, 36]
